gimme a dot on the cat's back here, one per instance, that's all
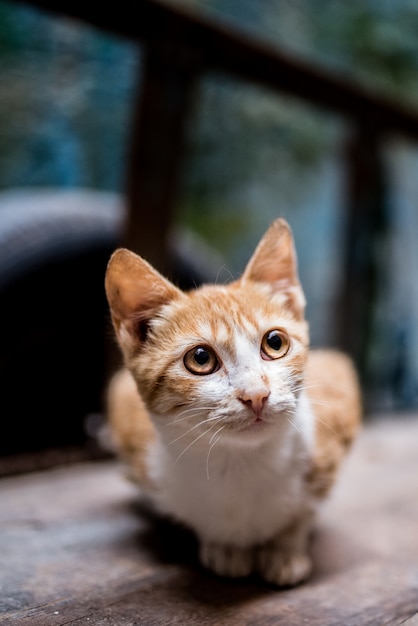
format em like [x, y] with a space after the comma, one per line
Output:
[131, 429]
[333, 388]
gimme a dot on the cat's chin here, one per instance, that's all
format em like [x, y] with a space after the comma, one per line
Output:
[255, 425]
[252, 433]
[255, 431]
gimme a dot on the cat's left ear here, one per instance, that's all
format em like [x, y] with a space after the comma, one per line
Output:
[274, 262]
[135, 292]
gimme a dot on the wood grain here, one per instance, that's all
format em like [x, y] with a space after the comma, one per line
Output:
[77, 548]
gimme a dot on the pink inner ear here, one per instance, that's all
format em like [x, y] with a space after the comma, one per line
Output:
[274, 260]
[274, 263]
[134, 288]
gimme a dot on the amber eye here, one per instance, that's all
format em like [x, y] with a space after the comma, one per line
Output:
[201, 360]
[275, 344]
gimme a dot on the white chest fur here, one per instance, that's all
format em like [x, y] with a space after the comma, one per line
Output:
[240, 496]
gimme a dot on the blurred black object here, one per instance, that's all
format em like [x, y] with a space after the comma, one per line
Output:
[55, 327]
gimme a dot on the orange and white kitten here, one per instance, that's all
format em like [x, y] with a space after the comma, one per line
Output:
[226, 420]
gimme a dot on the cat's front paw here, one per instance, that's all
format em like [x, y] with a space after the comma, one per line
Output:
[226, 560]
[283, 568]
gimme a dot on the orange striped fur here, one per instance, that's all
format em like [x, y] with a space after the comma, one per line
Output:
[225, 418]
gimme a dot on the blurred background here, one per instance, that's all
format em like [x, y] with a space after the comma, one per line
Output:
[68, 100]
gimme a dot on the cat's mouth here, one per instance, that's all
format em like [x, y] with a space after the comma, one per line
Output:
[254, 424]
[257, 422]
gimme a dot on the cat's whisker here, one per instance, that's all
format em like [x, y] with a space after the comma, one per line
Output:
[201, 423]
[194, 409]
[186, 432]
[215, 433]
[213, 441]
[295, 425]
[223, 268]
[206, 432]
[304, 387]
[324, 423]
[319, 402]
[190, 413]
[336, 387]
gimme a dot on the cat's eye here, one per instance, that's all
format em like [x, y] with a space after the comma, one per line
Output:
[201, 360]
[275, 344]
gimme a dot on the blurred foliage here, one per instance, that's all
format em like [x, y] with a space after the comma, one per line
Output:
[244, 138]
[246, 154]
[67, 90]
[371, 41]
[65, 98]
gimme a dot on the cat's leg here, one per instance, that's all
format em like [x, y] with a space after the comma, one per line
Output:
[226, 560]
[285, 560]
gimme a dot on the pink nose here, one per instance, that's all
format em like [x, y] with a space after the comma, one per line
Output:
[255, 401]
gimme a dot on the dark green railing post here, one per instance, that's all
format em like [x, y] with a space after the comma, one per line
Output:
[156, 151]
[366, 223]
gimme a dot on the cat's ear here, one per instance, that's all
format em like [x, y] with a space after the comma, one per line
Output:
[135, 291]
[274, 262]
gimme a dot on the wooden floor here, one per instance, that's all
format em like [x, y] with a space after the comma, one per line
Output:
[75, 548]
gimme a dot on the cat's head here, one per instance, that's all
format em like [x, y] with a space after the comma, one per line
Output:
[221, 360]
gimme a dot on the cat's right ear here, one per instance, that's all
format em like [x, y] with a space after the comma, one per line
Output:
[135, 291]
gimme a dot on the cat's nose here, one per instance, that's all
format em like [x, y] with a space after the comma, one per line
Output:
[255, 401]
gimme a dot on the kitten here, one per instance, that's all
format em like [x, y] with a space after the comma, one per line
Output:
[237, 430]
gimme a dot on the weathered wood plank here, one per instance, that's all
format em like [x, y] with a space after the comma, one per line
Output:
[76, 548]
